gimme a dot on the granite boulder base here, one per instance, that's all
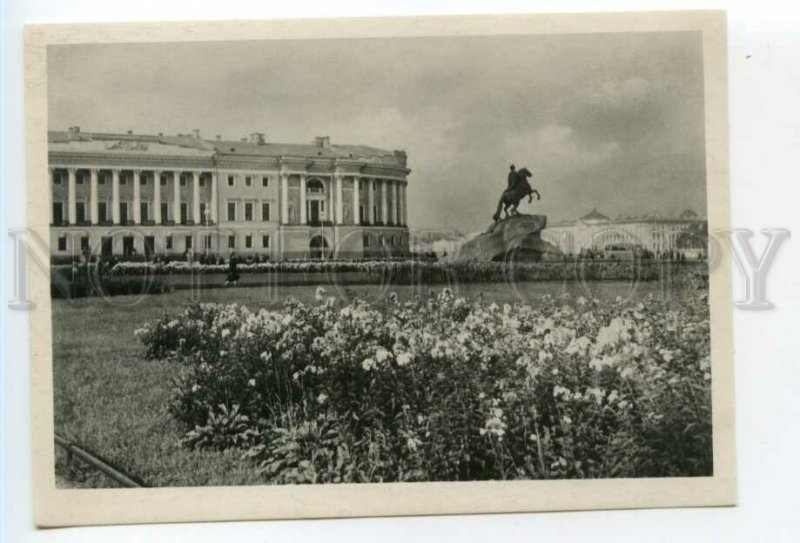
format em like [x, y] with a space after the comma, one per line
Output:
[518, 237]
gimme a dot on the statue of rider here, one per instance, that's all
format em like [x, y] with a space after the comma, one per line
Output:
[512, 177]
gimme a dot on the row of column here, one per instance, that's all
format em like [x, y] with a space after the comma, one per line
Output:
[396, 213]
[137, 195]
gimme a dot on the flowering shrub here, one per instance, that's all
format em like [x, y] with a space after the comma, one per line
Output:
[445, 388]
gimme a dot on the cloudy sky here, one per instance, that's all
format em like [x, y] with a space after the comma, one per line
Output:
[613, 121]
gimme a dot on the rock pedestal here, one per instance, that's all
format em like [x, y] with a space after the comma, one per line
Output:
[518, 236]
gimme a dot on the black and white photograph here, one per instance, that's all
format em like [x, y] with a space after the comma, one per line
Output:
[386, 260]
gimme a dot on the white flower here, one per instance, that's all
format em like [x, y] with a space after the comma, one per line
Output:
[404, 358]
[368, 364]
[382, 355]
[226, 332]
[322, 398]
[251, 382]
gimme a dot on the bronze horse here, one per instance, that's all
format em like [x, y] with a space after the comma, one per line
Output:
[511, 197]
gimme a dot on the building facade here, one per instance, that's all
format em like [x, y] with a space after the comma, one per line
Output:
[127, 195]
[683, 235]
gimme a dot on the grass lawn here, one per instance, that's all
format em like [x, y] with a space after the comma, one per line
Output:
[112, 402]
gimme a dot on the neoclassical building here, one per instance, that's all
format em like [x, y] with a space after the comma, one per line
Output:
[658, 234]
[129, 194]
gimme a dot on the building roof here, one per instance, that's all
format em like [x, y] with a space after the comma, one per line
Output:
[594, 215]
[128, 143]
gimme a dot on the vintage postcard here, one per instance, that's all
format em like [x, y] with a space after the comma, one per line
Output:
[404, 266]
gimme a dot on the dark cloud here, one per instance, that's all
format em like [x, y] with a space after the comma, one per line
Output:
[613, 121]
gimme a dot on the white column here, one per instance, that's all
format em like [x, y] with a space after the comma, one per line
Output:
[284, 198]
[384, 207]
[73, 213]
[331, 201]
[214, 197]
[115, 196]
[370, 201]
[93, 196]
[196, 198]
[403, 204]
[137, 198]
[339, 202]
[356, 201]
[176, 197]
[303, 214]
[396, 203]
[52, 173]
[157, 197]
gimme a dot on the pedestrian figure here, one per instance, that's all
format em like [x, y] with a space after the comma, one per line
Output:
[233, 271]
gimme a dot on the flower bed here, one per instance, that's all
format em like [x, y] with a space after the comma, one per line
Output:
[444, 388]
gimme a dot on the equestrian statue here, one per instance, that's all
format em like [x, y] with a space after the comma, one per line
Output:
[518, 188]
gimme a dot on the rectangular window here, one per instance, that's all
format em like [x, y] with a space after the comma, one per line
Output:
[84, 243]
[62, 243]
[164, 212]
[231, 180]
[80, 212]
[208, 241]
[163, 180]
[56, 178]
[102, 211]
[366, 240]
[248, 241]
[232, 241]
[248, 181]
[143, 210]
[123, 212]
[79, 178]
[265, 181]
[375, 211]
[168, 242]
[202, 181]
[203, 212]
[101, 178]
[231, 211]
[248, 211]
[265, 241]
[360, 184]
[123, 179]
[183, 181]
[361, 214]
[265, 211]
[184, 211]
[143, 181]
[188, 242]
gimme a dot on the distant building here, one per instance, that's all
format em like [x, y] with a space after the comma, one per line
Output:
[685, 234]
[126, 194]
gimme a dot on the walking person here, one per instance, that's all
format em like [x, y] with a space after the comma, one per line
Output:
[233, 271]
